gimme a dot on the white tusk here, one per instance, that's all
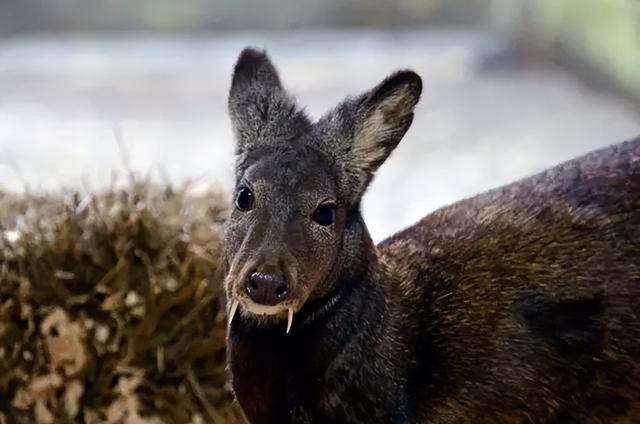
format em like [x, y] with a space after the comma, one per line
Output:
[232, 310]
[290, 320]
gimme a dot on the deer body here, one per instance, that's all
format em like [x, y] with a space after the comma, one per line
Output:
[532, 295]
[519, 305]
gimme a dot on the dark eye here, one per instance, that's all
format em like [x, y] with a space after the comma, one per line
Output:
[324, 214]
[244, 199]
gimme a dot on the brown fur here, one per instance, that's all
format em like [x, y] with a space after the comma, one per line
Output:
[568, 236]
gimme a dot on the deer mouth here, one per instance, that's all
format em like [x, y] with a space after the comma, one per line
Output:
[245, 295]
[249, 307]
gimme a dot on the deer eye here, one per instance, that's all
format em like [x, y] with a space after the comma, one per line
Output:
[324, 214]
[244, 199]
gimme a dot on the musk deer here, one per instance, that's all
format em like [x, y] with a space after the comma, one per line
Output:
[520, 305]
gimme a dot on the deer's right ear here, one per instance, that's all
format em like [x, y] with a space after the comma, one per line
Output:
[254, 70]
[260, 109]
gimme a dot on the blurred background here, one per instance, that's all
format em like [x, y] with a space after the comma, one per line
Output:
[90, 89]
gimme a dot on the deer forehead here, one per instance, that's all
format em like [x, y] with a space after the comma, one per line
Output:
[291, 172]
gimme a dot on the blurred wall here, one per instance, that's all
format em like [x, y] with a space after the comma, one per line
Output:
[66, 16]
[598, 35]
[602, 37]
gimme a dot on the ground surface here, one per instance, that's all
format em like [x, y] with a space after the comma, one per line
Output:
[484, 120]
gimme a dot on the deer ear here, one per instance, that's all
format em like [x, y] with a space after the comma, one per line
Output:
[261, 111]
[254, 68]
[362, 132]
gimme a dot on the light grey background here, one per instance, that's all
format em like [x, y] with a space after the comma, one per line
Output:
[486, 117]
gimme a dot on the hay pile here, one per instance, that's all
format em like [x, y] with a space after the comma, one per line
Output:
[111, 309]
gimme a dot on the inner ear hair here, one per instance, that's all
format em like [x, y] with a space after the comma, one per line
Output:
[384, 115]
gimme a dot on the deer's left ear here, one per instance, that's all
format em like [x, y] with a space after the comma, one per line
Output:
[362, 132]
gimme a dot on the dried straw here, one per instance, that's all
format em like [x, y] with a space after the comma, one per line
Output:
[111, 308]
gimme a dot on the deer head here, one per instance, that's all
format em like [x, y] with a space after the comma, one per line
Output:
[296, 229]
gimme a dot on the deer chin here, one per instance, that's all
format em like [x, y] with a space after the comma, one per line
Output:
[266, 310]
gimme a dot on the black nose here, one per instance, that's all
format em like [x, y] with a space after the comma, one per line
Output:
[267, 289]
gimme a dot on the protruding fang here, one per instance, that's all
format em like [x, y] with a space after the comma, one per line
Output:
[232, 310]
[290, 320]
